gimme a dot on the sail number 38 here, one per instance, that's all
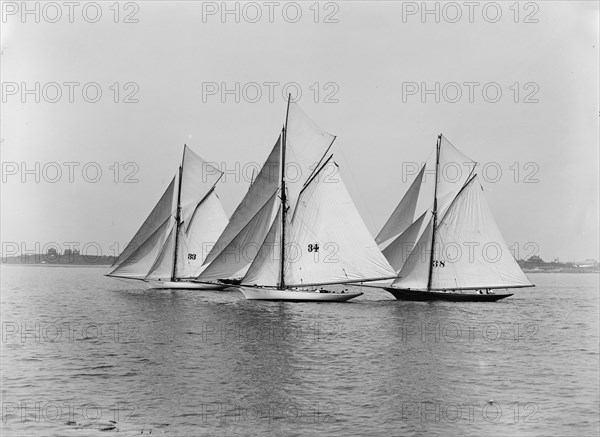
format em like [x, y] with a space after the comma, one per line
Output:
[437, 263]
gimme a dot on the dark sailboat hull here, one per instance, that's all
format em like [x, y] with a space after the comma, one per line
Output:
[424, 296]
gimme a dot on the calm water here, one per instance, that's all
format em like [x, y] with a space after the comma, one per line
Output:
[80, 350]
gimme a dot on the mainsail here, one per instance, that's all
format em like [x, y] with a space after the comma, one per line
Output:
[170, 244]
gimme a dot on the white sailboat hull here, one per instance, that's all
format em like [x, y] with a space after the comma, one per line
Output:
[183, 285]
[296, 295]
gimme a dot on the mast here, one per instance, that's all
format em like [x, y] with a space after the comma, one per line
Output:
[437, 165]
[283, 197]
[177, 220]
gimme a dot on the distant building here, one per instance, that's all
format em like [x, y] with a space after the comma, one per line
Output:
[586, 263]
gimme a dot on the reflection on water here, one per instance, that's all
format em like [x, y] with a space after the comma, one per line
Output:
[83, 353]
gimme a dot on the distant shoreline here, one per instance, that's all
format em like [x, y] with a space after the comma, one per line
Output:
[64, 260]
[55, 265]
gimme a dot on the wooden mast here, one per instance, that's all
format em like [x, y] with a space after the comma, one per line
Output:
[283, 198]
[437, 165]
[177, 219]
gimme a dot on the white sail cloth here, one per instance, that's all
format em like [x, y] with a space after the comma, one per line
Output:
[139, 255]
[260, 192]
[305, 146]
[326, 240]
[469, 251]
[454, 170]
[151, 252]
[404, 214]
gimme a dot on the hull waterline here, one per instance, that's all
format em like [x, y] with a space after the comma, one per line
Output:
[184, 285]
[273, 294]
[424, 296]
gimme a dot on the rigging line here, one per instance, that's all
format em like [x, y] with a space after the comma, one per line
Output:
[308, 183]
[454, 200]
[320, 160]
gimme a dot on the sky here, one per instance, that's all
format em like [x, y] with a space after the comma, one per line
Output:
[98, 100]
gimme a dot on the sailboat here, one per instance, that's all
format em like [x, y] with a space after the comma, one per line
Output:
[169, 249]
[458, 254]
[317, 242]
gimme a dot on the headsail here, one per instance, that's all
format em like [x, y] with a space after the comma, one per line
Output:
[415, 271]
[163, 265]
[242, 226]
[404, 214]
[398, 251]
[264, 269]
[235, 258]
[158, 219]
[143, 259]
